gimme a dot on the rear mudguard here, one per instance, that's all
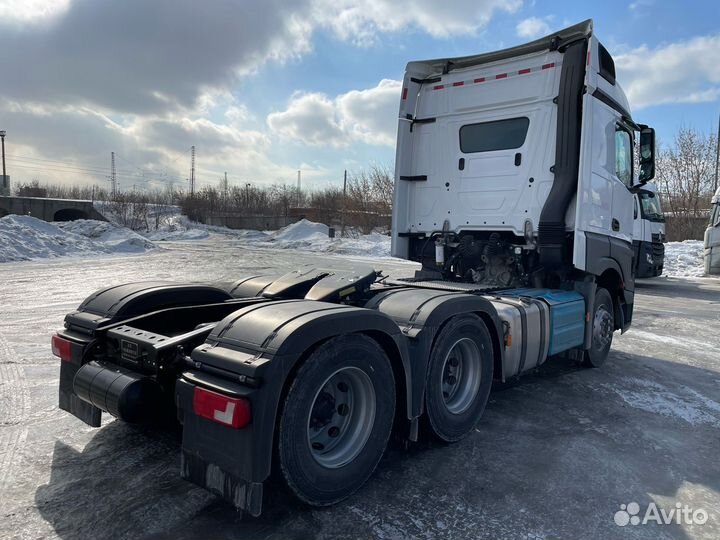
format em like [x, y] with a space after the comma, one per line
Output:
[112, 305]
[124, 301]
[260, 345]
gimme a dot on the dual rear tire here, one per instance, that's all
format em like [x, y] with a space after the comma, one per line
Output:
[339, 411]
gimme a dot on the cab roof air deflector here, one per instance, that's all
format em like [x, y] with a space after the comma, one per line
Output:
[557, 40]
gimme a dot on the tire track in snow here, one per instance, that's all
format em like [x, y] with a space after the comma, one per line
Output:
[14, 411]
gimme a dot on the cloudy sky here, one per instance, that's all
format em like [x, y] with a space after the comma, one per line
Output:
[263, 88]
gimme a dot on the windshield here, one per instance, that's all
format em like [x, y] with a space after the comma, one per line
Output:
[650, 206]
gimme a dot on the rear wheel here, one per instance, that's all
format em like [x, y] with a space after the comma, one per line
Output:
[603, 326]
[336, 419]
[459, 377]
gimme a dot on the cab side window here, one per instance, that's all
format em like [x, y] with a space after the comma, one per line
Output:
[715, 220]
[623, 157]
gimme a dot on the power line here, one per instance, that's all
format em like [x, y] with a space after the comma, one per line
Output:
[65, 167]
[91, 168]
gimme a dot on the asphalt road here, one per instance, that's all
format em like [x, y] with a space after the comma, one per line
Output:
[554, 456]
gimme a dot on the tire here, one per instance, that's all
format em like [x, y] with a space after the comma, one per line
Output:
[602, 331]
[459, 377]
[336, 419]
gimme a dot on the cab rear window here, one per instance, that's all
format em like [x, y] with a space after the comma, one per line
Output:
[505, 134]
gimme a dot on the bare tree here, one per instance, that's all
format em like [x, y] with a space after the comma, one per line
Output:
[684, 176]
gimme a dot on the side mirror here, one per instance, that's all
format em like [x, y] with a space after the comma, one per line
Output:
[647, 154]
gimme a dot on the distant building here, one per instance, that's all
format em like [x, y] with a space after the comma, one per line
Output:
[4, 184]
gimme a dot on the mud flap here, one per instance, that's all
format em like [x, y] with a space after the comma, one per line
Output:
[243, 495]
[70, 402]
[67, 399]
[216, 457]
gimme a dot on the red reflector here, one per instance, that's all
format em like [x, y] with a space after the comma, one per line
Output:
[459, 83]
[524, 71]
[438, 87]
[404, 93]
[548, 66]
[481, 79]
[233, 412]
[501, 75]
[61, 348]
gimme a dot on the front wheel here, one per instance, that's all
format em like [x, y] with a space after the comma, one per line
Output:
[336, 419]
[603, 326]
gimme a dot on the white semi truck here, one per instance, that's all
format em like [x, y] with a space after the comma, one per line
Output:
[514, 191]
[712, 237]
[648, 233]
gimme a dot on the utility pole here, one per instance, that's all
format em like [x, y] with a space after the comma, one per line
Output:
[113, 175]
[247, 195]
[2, 137]
[717, 157]
[342, 212]
[225, 187]
[192, 170]
[297, 202]
[5, 182]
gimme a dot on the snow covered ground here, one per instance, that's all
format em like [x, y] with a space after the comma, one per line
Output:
[684, 259]
[554, 455]
[24, 238]
[313, 237]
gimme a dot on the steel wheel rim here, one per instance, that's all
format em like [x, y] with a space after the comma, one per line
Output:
[460, 375]
[602, 328]
[341, 417]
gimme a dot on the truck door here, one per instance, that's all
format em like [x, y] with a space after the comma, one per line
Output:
[428, 175]
[604, 209]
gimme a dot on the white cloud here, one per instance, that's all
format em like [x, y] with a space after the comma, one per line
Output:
[149, 79]
[31, 11]
[368, 116]
[360, 22]
[532, 27]
[682, 72]
[638, 4]
[311, 118]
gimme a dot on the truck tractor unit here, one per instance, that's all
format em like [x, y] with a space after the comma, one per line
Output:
[648, 233]
[514, 187]
[712, 238]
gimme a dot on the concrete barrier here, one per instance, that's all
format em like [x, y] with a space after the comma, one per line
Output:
[49, 209]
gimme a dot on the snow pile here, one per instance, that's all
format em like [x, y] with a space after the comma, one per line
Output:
[684, 259]
[178, 228]
[24, 237]
[302, 234]
[117, 239]
[310, 236]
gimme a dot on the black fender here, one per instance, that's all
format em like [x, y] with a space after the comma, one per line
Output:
[120, 302]
[264, 343]
[420, 314]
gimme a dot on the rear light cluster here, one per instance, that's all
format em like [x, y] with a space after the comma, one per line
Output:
[62, 348]
[233, 412]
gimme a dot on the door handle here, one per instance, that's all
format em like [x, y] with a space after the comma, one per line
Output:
[461, 164]
[615, 225]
